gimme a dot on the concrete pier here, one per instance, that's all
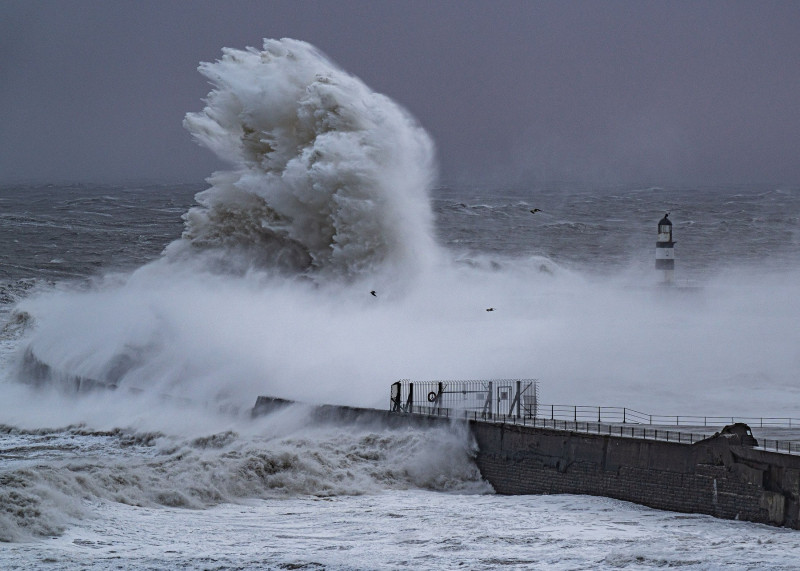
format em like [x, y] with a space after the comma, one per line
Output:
[720, 476]
[717, 476]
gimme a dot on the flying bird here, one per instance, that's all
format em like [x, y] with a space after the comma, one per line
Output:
[535, 210]
[490, 309]
[373, 293]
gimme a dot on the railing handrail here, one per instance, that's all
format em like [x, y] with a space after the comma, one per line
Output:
[629, 415]
[612, 429]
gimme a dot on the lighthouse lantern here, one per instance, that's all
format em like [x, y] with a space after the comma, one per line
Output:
[665, 258]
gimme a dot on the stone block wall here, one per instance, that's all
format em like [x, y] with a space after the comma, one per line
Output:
[718, 476]
[714, 477]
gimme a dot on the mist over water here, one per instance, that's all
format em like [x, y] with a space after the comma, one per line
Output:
[268, 291]
[181, 330]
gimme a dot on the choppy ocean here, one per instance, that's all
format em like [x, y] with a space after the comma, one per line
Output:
[118, 479]
[138, 324]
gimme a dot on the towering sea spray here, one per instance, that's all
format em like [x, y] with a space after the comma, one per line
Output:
[329, 181]
[329, 178]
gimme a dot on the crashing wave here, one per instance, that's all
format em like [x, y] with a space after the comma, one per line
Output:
[328, 176]
[80, 468]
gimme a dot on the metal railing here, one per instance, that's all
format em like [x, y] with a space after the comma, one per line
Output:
[624, 415]
[516, 401]
[621, 428]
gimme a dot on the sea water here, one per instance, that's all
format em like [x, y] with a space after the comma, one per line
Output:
[179, 305]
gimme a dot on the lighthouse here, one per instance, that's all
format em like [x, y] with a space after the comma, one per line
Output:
[665, 257]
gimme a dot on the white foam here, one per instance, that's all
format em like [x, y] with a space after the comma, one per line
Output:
[328, 176]
[396, 529]
[49, 474]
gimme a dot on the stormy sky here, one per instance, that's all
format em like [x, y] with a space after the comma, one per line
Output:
[594, 91]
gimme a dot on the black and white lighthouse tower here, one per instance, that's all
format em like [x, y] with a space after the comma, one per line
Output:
[665, 257]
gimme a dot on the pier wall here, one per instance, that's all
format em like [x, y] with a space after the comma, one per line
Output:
[714, 477]
[717, 476]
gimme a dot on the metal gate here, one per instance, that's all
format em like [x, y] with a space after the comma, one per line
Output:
[487, 398]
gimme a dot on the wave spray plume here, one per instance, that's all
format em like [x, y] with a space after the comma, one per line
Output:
[329, 182]
[328, 176]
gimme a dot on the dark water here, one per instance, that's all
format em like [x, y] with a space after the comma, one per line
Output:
[55, 232]
[608, 230]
